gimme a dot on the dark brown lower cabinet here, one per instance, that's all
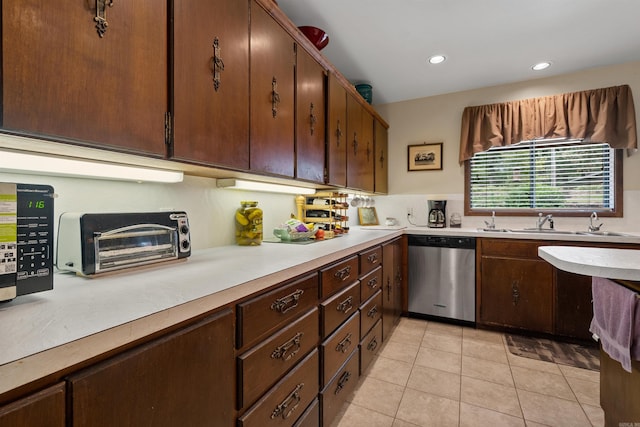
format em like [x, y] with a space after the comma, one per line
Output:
[183, 378]
[573, 306]
[45, 408]
[311, 416]
[335, 393]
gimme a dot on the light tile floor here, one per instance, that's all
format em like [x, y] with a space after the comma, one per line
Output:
[436, 374]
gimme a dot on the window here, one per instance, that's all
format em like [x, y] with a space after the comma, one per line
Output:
[554, 176]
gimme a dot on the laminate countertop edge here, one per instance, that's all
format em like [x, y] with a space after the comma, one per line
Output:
[616, 264]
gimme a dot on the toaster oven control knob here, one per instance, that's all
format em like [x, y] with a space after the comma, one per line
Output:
[184, 229]
[185, 244]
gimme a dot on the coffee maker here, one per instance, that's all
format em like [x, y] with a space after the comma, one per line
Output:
[437, 213]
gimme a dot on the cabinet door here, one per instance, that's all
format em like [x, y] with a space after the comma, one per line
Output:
[43, 409]
[381, 158]
[185, 378]
[62, 79]
[310, 118]
[337, 137]
[360, 146]
[272, 96]
[388, 289]
[211, 82]
[517, 293]
[573, 310]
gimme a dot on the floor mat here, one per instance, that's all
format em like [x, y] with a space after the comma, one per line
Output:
[552, 351]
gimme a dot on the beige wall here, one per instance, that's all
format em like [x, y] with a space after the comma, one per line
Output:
[437, 119]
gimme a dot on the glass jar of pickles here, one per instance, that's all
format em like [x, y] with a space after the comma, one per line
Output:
[248, 224]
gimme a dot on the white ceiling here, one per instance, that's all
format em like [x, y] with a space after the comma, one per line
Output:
[487, 42]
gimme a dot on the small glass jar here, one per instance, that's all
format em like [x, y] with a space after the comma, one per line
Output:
[248, 221]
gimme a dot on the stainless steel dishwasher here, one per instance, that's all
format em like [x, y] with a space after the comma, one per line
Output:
[442, 277]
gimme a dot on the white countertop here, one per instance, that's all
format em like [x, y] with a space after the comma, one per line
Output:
[81, 318]
[621, 264]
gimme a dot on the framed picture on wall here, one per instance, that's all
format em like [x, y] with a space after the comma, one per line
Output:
[425, 157]
[368, 216]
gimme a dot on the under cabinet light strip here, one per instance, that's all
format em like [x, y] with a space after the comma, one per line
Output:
[240, 184]
[46, 165]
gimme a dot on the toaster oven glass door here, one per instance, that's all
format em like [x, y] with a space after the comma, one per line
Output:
[135, 245]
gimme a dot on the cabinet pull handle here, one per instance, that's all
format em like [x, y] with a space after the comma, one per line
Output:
[343, 274]
[346, 305]
[338, 134]
[101, 16]
[388, 289]
[373, 283]
[344, 378]
[372, 344]
[515, 293]
[381, 159]
[371, 313]
[283, 409]
[217, 64]
[288, 302]
[368, 152]
[312, 119]
[373, 258]
[275, 97]
[281, 351]
[344, 345]
[355, 144]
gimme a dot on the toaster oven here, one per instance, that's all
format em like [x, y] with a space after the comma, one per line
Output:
[93, 243]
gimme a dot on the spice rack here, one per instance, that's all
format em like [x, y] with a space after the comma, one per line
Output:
[330, 215]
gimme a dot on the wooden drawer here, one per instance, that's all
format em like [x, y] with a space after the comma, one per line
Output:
[370, 283]
[311, 416]
[338, 275]
[337, 348]
[338, 308]
[370, 259]
[509, 248]
[370, 313]
[370, 345]
[260, 367]
[341, 386]
[264, 314]
[286, 401]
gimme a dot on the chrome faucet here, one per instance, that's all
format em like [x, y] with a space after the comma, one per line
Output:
[543, 219]
[592, 227]
[491, 225]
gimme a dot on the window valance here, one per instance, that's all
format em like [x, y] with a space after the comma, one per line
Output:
[600, 115]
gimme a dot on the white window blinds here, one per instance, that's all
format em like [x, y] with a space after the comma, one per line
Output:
[533, 175]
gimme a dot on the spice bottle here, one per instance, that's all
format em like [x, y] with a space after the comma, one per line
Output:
[248, 221]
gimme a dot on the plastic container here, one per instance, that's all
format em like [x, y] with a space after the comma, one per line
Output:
[366, 91]
[248, 220]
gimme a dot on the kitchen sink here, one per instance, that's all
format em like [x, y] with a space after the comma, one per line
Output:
[554, 231]
[606, 233]
[545, 231]
[494, 230]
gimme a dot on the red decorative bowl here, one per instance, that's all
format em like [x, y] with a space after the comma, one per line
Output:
[317, 36]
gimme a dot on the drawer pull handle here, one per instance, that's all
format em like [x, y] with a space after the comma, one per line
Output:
[373, 258]
[293, 344]
[288, 302]
[374, 310]
[373, 283]
[373, 344]
[346, 305]
[344, 273]
[515, 293]
[344, 378]
[283, 409]
[344, 345]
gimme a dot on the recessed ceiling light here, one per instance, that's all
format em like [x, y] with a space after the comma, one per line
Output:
[541, 66]
[436, 59]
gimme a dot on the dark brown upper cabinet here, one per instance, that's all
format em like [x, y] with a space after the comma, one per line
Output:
[92, 77]
[337, 133]
[272, 96]
[360, 147]
[211, 82]
[310, 118]
[381, 168]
